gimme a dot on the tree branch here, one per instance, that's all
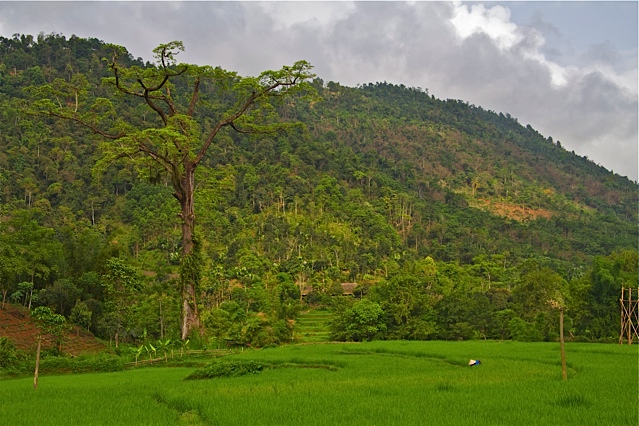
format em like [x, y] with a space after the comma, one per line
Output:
[253, 131]
[147, 91]
[90, 126]
[152, 105]
[158, 158]
[241, 110]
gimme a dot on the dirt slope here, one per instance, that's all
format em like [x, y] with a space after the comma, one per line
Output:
[18, 327]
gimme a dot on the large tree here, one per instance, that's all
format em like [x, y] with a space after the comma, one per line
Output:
[190, 108]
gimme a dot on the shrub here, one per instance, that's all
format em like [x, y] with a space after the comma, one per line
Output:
[524, 331]
[99, 363]
[364, 321]
[8, 354]
[228, 369]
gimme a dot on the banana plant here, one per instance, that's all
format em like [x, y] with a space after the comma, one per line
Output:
[164, 345]
[174, 343]
[184, 344]
[150, 349]
[138, 352]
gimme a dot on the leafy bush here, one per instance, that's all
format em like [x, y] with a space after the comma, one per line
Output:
[524, 331]
[364, 321]
[99, 363]
[12, 361]
[228, 369]
[237, 368]
[8, 354]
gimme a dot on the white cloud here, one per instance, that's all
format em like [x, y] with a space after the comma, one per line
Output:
[321, 14]
[590, 104]
[494, 21]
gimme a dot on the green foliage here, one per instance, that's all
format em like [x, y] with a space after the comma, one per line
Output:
[121, 284]
[240, 367]
[99, 363]
[8, 354]
[61, 295]
[363, 321]
[81, 314]
[191, 266]
[228, 369]
[52, 324]
[408, 306]
[379, 179]
[523, 331]
[48, 321]
[535, 291]
[164, 346]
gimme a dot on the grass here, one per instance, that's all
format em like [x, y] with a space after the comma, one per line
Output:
[378, 383]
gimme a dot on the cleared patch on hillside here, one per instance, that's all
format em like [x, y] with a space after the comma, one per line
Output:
[19, 328]
[510, 210]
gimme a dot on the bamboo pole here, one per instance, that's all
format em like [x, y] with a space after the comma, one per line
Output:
[564, 373]
[629, 318]
[622, 316]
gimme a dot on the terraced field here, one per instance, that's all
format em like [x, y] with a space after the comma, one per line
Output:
[313, 326]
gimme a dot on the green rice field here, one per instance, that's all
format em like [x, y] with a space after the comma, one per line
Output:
[377, 383]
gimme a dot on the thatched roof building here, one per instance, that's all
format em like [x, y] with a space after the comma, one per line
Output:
[348, 288]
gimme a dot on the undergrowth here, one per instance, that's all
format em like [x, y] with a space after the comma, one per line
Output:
[235, 368]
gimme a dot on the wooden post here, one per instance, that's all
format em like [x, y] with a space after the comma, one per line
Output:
[564, 373]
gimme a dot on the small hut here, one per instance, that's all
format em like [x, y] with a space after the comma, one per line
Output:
[348, 288]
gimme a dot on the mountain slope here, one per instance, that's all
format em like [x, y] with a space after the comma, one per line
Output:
[380, 178]
[434, 171]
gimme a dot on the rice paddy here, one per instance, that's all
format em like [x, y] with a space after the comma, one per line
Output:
[377, 383]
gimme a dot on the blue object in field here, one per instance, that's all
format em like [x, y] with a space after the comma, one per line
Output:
[474, 362]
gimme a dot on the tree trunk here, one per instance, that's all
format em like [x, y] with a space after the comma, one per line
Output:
[185, 194]
[190, 315]
[37, 366]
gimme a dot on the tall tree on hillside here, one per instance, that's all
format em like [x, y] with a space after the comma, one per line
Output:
[120, 283]
[190, 108]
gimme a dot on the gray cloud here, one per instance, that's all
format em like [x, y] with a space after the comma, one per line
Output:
[593, 111]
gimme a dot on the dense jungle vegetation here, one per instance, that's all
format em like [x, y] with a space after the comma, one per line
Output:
[455, 222]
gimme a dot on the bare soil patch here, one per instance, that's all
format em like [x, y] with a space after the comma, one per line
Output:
[19, 328]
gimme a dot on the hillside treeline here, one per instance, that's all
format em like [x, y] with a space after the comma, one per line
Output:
[455, 222]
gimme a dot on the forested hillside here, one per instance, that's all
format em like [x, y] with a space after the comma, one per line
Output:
[455, 222]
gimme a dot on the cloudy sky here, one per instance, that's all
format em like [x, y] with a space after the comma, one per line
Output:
[569, 69]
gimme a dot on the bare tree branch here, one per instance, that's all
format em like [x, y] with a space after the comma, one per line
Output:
[153, 106]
